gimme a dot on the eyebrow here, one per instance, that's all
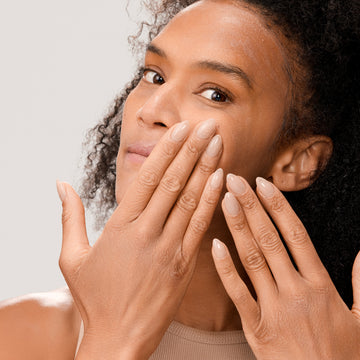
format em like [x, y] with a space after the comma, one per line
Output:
[211, 65]
[226, 69]
[154, 49]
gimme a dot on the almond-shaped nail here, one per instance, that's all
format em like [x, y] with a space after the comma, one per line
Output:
[180, 131]
[219, 249]
[61, 190]
[266, 188]
[217, 179]
[206, 129]
[236, 184]
[231, 204]
[214, 147]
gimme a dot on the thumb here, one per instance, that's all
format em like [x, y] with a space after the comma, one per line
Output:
[356, 287]
[74, 241]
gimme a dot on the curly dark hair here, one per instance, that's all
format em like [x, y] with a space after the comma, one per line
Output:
[326, 34]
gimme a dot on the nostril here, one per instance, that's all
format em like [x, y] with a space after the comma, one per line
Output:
[160, 124]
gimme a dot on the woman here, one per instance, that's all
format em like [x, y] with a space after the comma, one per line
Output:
[228, 87]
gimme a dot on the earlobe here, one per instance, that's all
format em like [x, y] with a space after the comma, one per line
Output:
[298, 166]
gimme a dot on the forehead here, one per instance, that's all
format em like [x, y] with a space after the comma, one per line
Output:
[228, 33]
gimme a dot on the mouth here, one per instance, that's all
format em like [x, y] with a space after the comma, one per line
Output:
[137, 153]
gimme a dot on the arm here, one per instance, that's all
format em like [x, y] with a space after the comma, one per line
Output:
[39, 326]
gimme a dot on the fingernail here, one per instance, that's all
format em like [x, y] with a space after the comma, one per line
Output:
[219, 249]
[206, 129]
[217, 178]
[236, 184]
[231, 204]
[214, 147]
[266, 188]
[180, 131]
[61, 190]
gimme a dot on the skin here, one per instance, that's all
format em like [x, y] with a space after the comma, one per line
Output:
[173, 191]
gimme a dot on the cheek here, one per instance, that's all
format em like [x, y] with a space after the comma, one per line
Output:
[247, 151]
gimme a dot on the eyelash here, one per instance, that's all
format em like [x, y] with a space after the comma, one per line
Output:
[223, 93]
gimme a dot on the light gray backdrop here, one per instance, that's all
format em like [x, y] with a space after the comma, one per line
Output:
[61, 64]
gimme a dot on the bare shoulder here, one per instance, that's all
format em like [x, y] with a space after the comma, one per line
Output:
[39, 326]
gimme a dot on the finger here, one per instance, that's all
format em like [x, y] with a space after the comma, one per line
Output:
[200, 220]
[250, 255]
[74, 241]
[178, 173]
[189, 198]
[292, 230]
[140, 191]
[264, 232]
[356, 286]
[235, 287]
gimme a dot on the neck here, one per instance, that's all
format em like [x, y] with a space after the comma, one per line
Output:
[206, 304]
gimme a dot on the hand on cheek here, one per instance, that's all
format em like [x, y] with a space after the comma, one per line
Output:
[129, 285]
[297, 313]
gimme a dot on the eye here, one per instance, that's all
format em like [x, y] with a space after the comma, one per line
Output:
[153, 77]
[215, 95]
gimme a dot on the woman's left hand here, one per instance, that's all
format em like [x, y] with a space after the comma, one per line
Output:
[297, 313]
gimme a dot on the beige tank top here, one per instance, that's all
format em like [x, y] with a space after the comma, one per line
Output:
[181, 342]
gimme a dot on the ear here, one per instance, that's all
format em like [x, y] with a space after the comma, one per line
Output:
[298, 166]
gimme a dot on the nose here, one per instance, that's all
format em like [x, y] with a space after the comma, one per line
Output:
[161, 108]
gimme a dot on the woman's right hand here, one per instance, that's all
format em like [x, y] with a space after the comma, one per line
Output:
[129, 285]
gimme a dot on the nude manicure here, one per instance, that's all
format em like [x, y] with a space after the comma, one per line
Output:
[61, 190]
[219, 249]
[265, 187]
[206, 129]
[214, 146]
[216, 179]
[236, 184]
[180, 131]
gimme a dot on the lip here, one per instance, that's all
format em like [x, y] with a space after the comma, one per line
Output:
[140, 149]
[138, 152]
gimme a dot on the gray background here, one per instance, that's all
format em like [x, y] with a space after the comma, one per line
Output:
[61, 64]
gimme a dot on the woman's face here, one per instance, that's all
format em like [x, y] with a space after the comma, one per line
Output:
[213, 60]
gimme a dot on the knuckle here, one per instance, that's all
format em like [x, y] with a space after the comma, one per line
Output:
[227, 270]
[143, 235]
[298, 236]
[168, 149]
[198, 226]
[248, 201]
[205, 168]
[210, 198]
[191, 147]
[264, 335]
[239, 223]
[187, 201]
[240, 296]
[180, 267]
[269, 241]
[254, 261]
[66, 216]
[64, 264]
[278, 203]
[171, 183]
[148, 178]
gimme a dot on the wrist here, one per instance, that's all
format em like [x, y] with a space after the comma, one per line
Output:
[94, 347]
